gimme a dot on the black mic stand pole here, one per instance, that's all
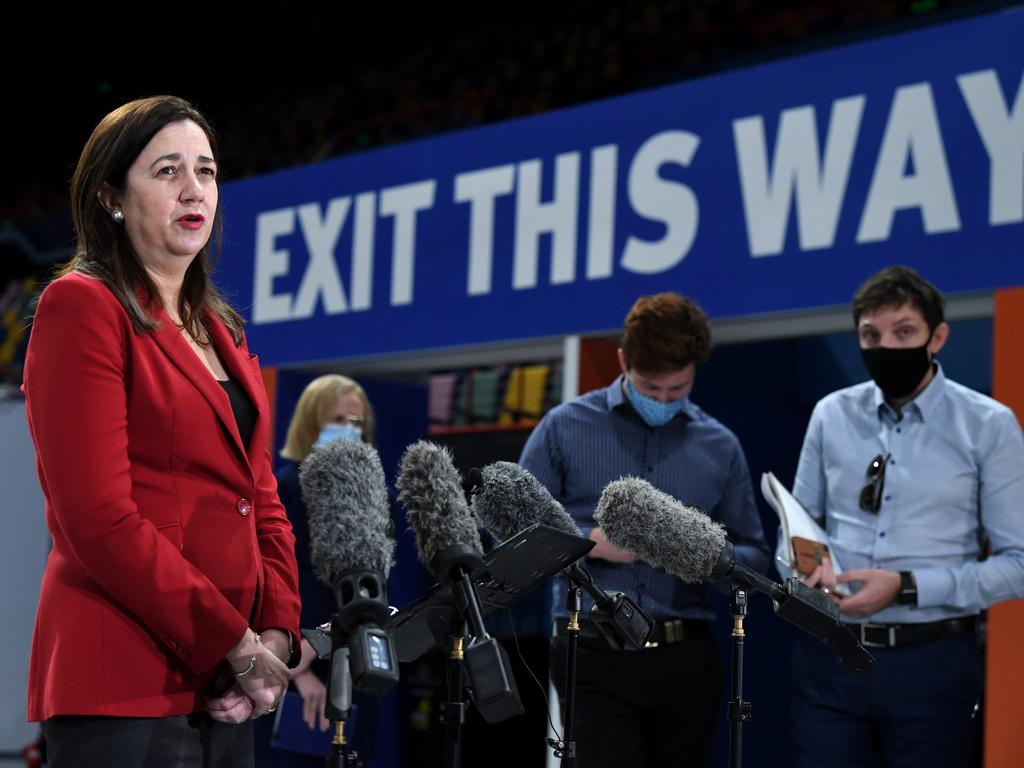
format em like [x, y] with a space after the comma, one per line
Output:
[455, 707]
[339, 698]
[798, 604]
[566, 749]
[739, 710]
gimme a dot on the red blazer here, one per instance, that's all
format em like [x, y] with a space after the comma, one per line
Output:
[168, 534]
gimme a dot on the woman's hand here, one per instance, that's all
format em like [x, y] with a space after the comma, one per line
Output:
[314, 698]
[232, 706]
[277, 641]
[227, 702]
[259, 674]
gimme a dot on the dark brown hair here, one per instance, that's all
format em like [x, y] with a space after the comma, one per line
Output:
[665, 332]
[102, 249]
[895, 286]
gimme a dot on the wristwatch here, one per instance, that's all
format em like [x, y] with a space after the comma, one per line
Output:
[908, 589]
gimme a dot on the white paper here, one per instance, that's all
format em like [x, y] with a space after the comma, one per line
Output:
[796, 521]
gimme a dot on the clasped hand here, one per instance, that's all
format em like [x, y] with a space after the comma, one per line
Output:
[252, 685]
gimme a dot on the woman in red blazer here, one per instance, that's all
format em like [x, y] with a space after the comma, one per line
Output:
[171, 550]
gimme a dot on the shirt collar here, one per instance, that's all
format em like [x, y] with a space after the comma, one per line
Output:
[925, 403]
[617, 393]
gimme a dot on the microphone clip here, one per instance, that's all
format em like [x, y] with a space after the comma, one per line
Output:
[624, 624]
[454, 562]
[362, 610]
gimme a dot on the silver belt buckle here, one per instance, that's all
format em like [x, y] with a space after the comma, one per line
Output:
[873, 644]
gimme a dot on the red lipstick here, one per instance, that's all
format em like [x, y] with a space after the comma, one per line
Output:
[192, 220]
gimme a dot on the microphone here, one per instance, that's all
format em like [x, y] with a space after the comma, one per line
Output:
[431, 489]
[508, 499]
[352, 551]
[448, 543]
[346, 499]
[688, 544]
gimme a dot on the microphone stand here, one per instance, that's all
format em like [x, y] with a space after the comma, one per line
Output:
[624, 626]
[490, 677]
[795, 602]
[566, 749]
[339, 699]
[361, 652]
[739, 710]
[455, 707]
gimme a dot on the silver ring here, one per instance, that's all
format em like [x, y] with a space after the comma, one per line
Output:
[826, 590]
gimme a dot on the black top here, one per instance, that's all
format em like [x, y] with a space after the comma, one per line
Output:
[245, 412]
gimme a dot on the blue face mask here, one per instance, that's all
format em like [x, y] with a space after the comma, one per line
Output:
[332, 432]
[653, 412]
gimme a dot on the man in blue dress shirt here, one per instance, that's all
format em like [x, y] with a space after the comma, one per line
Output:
[914, 477]
[658, 706]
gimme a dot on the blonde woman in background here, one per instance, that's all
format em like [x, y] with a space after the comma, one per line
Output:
[331, 407]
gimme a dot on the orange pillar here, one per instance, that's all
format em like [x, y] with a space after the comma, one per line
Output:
[599, 364]
[1004, 683]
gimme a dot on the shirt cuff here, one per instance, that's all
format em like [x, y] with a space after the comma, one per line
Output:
[934, 586]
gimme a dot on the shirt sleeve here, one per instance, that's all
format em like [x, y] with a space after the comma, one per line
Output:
[808, 487]
[976, 585]
[542, 457]
[738, 512]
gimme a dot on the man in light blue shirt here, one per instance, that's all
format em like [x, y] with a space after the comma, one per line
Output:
[914, 477]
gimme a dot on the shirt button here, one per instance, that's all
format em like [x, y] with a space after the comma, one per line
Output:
[244, 507]
[881, 535]
[899, 429]
[888, 498]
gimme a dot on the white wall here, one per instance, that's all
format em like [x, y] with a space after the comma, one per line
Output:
[24, 545]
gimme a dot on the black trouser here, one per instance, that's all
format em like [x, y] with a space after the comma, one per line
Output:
[914, 708]
[187, 741]
[639, 709]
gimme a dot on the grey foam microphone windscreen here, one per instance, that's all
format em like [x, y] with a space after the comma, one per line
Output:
[660, 530]
[430, 487]
[346, 501]
[510, 499]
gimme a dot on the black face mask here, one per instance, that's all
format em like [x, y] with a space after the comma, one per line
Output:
[897, 371]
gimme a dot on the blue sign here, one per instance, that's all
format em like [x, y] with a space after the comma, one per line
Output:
[768, 189]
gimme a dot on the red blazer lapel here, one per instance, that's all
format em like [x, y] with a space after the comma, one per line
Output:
[173, 344]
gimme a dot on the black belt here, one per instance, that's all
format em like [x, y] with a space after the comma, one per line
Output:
[895, 635]
[662, 633]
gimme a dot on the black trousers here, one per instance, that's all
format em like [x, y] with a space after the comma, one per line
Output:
[187, 741]
[913, 709]
[657, 707]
